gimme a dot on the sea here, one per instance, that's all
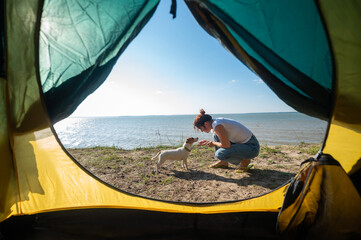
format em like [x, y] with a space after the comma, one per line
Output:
[130, 132]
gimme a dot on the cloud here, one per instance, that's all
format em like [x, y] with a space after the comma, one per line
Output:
[158, 92]
[229, 83]
[258, 81]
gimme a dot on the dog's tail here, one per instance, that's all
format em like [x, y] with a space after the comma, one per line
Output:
[156, 155]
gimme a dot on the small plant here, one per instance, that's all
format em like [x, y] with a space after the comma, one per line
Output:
[145, 179]
[311, 149]
[269, 150]
[167, 181]
[279, 166]
[110, 157]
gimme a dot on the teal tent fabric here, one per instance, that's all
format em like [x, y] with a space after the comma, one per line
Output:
[79, 45]
[289, 52]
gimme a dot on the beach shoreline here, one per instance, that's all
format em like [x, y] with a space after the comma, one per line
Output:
[133, 171]
[172, 130]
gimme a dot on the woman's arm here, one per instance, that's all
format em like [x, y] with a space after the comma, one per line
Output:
[221, 133]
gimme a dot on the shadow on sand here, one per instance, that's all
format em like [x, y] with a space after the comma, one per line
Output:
[262, 177]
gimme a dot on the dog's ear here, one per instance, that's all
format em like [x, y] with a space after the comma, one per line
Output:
[189, 139]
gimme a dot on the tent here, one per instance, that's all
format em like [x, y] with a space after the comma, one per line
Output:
[55, 53]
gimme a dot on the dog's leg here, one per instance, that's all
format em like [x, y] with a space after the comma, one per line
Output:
[160, 162]
[153, 158]
[156, 168]
[185, 164]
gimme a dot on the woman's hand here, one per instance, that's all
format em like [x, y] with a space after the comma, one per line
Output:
[202, 143]
[206, 142]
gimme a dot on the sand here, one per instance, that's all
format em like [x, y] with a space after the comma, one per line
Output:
[133, 171]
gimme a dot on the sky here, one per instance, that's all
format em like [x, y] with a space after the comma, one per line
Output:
[174, 67]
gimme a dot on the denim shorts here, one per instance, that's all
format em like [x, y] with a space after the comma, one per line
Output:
[237, 151]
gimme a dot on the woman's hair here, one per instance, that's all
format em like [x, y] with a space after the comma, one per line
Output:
[201, 119]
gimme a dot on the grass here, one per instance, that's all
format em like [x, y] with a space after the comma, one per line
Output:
[266, 151]
[133, 171]
[167, 181]
[306, 148]
[101, 157]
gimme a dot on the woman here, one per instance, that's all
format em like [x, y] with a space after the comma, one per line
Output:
[233, 142]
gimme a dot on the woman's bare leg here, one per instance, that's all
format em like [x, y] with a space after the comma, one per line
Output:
[244, 166]
[245, 163]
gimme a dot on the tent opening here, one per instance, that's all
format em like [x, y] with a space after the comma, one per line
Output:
[56, 53]
[149, 101]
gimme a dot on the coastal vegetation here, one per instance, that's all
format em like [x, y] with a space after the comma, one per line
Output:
[133, 171]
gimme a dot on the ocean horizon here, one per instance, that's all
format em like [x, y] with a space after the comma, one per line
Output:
[129, 132]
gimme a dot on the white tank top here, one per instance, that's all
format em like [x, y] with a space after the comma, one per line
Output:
[236, 132]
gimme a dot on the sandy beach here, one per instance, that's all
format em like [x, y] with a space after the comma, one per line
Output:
[133, 171]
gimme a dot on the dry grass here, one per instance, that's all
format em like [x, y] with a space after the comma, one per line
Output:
[133, 172]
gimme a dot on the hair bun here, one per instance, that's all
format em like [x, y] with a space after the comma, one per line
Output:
[202, 111]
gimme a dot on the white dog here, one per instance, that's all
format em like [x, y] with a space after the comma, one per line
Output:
[176, 154]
